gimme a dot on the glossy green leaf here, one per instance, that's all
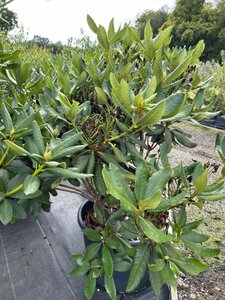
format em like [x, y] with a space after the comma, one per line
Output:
[98, 179]
[89, 286]
[7, 121]
[102, 37]
[152, 202]
[158, 181]
[92, 235]
[158, 266]
[153, 116]
[91, 251]
[174, 104]
[107, 261]
[183, 139]
[117, 186]
[202, 251]
[138, 266]
[6, 212]
[92, 24]
[168, 203]
[67, 151]
[194, 237]
[66, 173]
[38, 138]
[110, 287]
[31, 184]
[191, 266]
[17, 149]
[200, 182]
[80, 270]
[141, 180]
[154, 233]
[156, 282]
[168, 276]
[101, 96]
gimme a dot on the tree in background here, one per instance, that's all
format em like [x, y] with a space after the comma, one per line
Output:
[192, 21]
[8, 19]
[157, 19]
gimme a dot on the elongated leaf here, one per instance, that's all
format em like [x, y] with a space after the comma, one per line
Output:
[31, 184]
[107, 261]
[92, 234]
[153, 116]
[67, 151]
[98, 179]
[138, 266]
[212, 197]
[152, 202]
[90, 251]
[156, 282]
[101, 96]
[7, 121]
[166, 204]
[153, 233]
[89, 286]
[191, 266]
[203, 251]
[180, 69]
[80, 270]
[6, 212]
[110, 287]
[158, 266]
[201, 182]
[174, 104]
[168, 276]
[117, 186]
[141, 179]
[194, 237]
[158, 181]
[17, 148]
[66, 173]
[38, 138]
[92, 24]
[183, 139]
[102, 37]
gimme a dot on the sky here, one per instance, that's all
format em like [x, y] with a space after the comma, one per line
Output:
[59, 20]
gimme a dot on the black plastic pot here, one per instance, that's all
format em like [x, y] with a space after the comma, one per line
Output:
[120, 278]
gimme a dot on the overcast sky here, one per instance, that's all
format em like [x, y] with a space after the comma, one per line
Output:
[59, 20]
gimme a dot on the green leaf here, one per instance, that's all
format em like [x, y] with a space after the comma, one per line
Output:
[191, 266]
[158, 181]
[102, 37]
[72, 112]
[203, 251]
[17, 148]
[89, 286]
[80, 270]
[67, 151]
[153, 233]
[141, 180]
[91, 251]
[148, 33]
[158, 266]
[183, 139]
[107, 261]
[174, 104]
[138, 266]
[110, 287]
[194, 237]
[153, 116]
[181, 217]
[6, 212]
[63, 99]
[212, 197]
[7, 121]
[200, 182]
[31, 184]
[166, 204]
[101, 96]
[98, 179]
[117, 186]
[92, 24]
[92, 234]
[180, 69]
[66, 173]
[168, 276]
[118, 153]
[38, 138]
[152, 202]
[156, 282]
[122, 94]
